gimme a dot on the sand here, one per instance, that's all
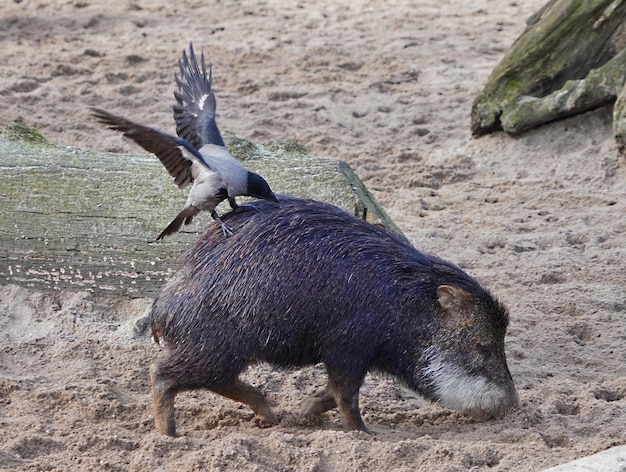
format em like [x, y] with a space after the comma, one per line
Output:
[387, 87]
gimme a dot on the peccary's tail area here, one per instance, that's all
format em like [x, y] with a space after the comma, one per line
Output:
[165, 309]
[157, 322]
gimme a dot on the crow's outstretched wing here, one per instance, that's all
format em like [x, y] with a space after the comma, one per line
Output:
[176, 154]
[194, 112]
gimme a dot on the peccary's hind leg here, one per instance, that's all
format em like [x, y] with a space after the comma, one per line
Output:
[163, 394]
[251, 396]
[319, 403]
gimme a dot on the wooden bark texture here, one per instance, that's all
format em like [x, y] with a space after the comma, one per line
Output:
[570, 59]
[71, 219]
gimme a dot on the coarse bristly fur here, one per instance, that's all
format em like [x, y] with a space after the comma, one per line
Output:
[306, 282]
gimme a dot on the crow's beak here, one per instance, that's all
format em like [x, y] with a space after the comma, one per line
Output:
[269, 196]
[272, 198]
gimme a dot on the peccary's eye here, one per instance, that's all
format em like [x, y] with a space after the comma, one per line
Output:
[485, 350]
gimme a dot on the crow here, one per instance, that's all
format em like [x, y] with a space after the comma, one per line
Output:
[198, 155]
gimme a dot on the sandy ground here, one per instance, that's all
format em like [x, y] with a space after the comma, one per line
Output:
[386, 86]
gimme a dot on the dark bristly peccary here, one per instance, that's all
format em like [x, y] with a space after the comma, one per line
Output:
[305, 282]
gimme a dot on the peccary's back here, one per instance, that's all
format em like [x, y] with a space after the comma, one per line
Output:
[294, 275]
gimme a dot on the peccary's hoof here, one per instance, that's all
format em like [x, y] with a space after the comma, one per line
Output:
[167, 430]
[266, 422]
[366, 430]
[165, 424]
[267, 415]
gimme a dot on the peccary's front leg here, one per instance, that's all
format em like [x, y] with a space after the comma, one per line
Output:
[319, 403]
[251, 396]
[163, 394]
[345, 390]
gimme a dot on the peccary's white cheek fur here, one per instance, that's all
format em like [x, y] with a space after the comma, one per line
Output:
[457, 389]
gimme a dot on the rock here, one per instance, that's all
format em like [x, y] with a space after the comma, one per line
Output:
[611, 460]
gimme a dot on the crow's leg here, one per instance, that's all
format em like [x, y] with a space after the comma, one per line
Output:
[225, 229]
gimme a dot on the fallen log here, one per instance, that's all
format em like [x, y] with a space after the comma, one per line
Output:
[78, 220]
[570, 59]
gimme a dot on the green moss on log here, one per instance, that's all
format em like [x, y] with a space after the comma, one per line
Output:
[18, 131]
[564, 42]
[600, 87]
[77, 220]
[619, 120]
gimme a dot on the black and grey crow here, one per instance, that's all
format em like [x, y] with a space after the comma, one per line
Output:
[198, 155]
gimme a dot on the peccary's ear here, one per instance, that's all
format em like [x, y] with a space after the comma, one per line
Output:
[453, 301]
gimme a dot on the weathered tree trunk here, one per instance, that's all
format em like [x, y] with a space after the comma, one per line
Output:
[569, 59]
[619, 120]
[78, 220]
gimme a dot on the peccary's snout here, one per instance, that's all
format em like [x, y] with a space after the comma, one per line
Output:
[474, 394]
[465, 366]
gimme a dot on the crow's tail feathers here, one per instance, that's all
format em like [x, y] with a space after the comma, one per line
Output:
[184, 217]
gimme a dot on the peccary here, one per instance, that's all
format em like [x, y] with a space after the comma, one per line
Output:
[304, 283]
